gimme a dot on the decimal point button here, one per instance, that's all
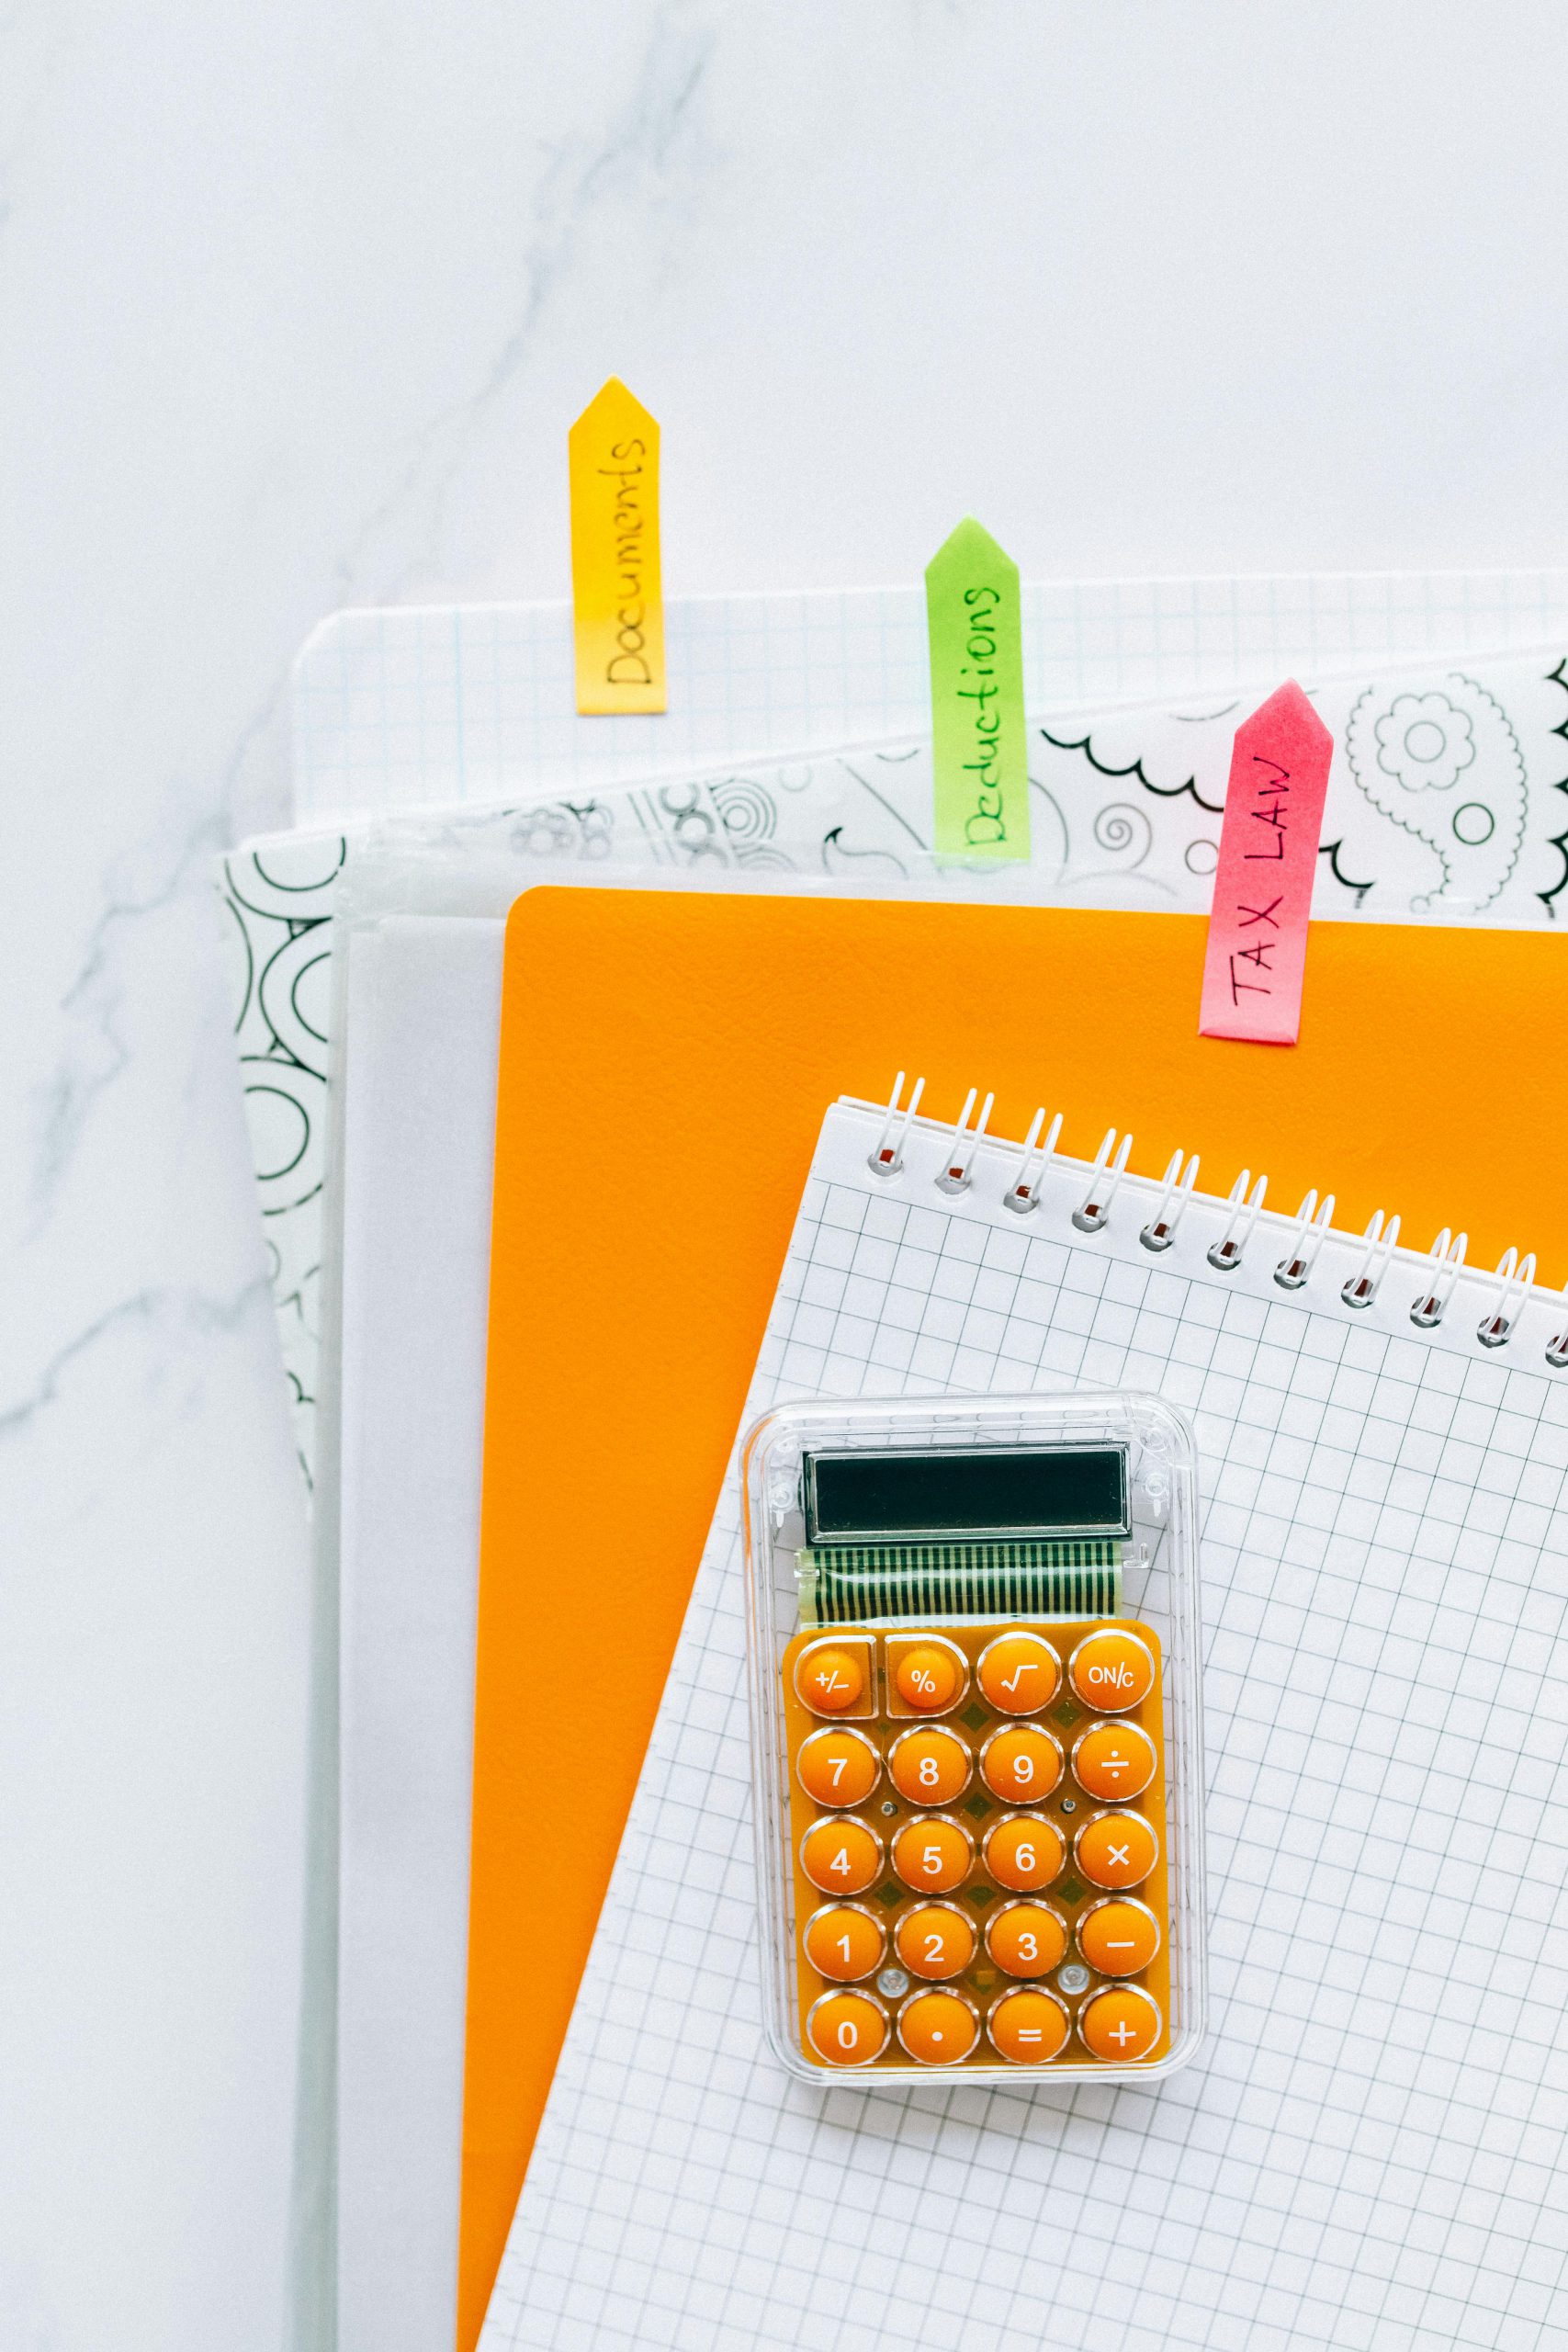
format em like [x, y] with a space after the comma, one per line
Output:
[938, 2028]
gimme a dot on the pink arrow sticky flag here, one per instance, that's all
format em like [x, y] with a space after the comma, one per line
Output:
[1257, 924]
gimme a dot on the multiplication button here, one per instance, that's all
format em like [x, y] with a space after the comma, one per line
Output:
[1116, 1850]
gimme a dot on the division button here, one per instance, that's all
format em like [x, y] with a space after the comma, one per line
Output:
[1028, 2026]
[930, 1766]
[843, 1941]
[932, 1854]
[1113, 1761]
[930, 1677]
[1022, 1764]
[1111, 1670]
[1023, 1852]
[938, 2028]
[846, 2028]
[838, 1768]
[1026, 1938]
[1116, 1850]
[934, 1940]
[1118, 1936]
[841, 1857]
[831, 1677]
[1122, 2022]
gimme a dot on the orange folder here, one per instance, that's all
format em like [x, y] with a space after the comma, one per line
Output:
[666, 1060]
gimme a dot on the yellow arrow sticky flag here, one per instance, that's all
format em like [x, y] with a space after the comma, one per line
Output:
[613, 460]
[979, 753]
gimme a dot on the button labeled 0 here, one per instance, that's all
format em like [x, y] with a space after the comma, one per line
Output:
[846, 2028]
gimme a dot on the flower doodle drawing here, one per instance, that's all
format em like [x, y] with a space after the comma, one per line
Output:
[1445, 764]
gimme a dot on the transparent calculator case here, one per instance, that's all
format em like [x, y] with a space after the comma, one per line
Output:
[976, 1737]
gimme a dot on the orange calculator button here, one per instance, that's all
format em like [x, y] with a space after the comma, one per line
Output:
[928, 1679]
[935, 1940]
[1116, 1850]
[847, 2029]
[841, 1857]
[1112, 1669]
[938, 2028]
[1118, 1936]
[1113, 1760]
[829, 1679]
[1120, 2023]
[838, 1767]
[1026, 1938]
[1025, 1852]
[842, 1941]
[1020, 1764]
[1028, 2026]
[933, 1855]
[1018, 1673]
[929, 1767]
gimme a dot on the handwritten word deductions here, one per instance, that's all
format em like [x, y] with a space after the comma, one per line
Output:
[1256, 957]
[979, 750]
[618, 606]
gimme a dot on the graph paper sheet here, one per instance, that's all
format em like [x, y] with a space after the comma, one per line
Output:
[438, 706]
[1369, 2150]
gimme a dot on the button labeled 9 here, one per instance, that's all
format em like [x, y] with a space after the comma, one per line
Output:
[1022, 1763]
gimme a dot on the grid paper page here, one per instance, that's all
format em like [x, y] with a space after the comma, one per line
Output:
[441, 705]
[1369, 2150]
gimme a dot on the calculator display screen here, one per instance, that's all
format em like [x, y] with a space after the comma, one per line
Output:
[1016, 1491]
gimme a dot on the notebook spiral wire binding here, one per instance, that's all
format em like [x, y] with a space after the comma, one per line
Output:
[1313, 1222]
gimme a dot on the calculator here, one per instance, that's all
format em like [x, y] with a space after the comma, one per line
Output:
[978, 1769]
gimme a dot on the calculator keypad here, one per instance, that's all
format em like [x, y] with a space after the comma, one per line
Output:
[977, 1816]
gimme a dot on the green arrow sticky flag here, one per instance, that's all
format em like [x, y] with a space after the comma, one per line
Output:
[979, 753]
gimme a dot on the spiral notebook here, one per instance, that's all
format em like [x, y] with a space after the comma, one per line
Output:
[1370, 2147]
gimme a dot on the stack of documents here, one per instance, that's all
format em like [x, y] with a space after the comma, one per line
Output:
[464, 843]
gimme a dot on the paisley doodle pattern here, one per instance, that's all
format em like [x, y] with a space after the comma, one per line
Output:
[1445, 764]
[1447, 799]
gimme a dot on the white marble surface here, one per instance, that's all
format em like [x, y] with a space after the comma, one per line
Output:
[297, 303]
